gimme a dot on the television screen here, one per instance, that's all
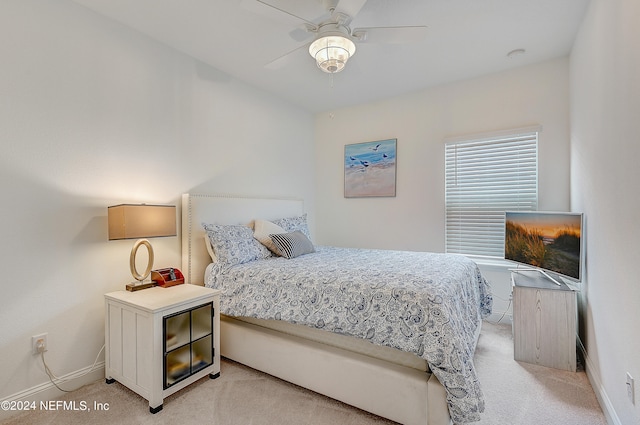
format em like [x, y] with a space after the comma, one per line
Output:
[549, 241]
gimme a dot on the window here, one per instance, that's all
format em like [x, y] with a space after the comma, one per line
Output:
[484, 177]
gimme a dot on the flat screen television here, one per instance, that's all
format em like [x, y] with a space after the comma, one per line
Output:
[546, 241]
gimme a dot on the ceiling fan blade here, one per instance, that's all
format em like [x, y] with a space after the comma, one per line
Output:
[350, 7]
[274, 12]
[283, 60]
[303, 32]
[390, 35]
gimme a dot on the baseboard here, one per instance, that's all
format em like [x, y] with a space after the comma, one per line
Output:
[47, 391]
[607, 408]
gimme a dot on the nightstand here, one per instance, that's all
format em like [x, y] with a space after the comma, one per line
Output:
[544, 321]
[159, 340]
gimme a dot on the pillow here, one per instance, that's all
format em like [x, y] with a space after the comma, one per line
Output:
[291, 245]
[261, 231]
[291, 224]
[207, 243]
[234, 244]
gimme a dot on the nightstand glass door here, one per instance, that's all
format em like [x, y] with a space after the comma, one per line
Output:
[188, 343]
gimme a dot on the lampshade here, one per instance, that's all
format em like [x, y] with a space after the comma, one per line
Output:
[332, 51]
[129, 221]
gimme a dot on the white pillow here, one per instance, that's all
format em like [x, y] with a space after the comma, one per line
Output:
[261, 231]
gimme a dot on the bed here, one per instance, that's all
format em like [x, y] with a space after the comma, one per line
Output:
[379, 352]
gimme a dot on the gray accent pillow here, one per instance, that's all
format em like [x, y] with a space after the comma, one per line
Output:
[291, 245]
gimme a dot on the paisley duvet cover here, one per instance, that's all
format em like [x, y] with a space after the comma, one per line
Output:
[425, 303]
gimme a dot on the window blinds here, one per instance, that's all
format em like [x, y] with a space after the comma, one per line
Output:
[484, 177]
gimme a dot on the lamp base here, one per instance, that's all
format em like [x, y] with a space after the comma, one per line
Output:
[136, 286]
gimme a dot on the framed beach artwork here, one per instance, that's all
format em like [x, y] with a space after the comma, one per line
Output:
[370, 169]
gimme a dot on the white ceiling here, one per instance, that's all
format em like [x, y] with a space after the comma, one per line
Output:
[465, 38]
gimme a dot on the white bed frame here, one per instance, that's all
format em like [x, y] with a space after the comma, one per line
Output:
[399, 393]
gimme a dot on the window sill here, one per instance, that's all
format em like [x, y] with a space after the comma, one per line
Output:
[498, 263]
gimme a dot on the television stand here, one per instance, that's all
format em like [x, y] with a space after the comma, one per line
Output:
[534, 269]
[544, 322]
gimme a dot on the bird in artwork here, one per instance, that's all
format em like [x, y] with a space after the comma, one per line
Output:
[376, 148]
[365, 163]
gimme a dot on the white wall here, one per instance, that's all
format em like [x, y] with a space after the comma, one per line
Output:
[414, 219]
[93, 114]
[605, 149]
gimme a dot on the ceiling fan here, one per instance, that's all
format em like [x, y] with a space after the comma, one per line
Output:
[334, 42]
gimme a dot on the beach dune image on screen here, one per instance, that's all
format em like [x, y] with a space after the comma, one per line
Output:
[545, 240]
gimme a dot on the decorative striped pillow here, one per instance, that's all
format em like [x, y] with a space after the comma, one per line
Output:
[292, 244]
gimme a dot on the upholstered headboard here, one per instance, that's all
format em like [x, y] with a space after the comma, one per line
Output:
[222, 209]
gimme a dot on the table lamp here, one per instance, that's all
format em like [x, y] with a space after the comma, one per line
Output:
[131, 221]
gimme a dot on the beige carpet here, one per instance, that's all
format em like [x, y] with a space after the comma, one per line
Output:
[516, 394]
[525, 394]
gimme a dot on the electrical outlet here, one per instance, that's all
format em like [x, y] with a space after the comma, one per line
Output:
[630, 389]
[39, 343]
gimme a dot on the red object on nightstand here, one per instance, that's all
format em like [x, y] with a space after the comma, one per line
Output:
[167, 277]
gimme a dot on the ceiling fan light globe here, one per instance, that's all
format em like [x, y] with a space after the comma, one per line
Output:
[332, 60]
[331, 66]
[332, 52]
